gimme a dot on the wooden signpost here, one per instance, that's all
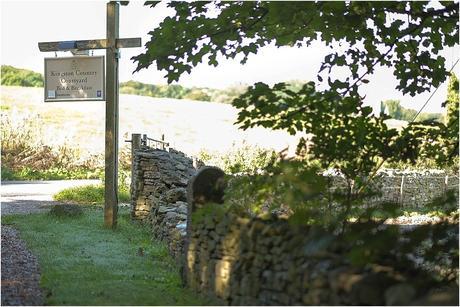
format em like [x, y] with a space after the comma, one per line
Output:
[112, 44]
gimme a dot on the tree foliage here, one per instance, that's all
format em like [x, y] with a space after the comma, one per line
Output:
[345, 134]
[407, 36]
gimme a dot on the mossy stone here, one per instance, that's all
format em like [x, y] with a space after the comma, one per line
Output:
[66, 210]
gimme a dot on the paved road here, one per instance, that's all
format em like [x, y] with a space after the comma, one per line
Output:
[33, 196]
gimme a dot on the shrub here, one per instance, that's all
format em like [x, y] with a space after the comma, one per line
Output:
[88, 194]
[243, 159]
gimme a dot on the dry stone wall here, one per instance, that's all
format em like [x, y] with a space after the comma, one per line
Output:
[408, 188]
[257, 262]
[266, 262]
[158, 193]
[252, 261]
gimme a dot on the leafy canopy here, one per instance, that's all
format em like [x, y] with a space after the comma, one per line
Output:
[407, 36]
[324, 115]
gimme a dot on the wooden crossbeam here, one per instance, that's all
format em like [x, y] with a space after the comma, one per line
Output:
[129, 42]
[88, 44]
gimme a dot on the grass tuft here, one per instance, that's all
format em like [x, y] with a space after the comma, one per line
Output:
[88, 194]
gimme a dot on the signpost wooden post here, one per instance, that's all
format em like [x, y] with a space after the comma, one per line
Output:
[112, 44]
[111, 118]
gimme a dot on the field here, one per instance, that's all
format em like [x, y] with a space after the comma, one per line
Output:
[189, 126]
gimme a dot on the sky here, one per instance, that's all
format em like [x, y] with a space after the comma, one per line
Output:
[25, 23]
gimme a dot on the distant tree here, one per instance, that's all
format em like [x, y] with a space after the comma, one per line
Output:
[176, 91]
[228, 94]
[197, 94]
[409, 114]
[137, 88]
[452, 114]
[396, 111]
[20, 77]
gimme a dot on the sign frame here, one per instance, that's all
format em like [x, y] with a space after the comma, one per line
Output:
[104, 86]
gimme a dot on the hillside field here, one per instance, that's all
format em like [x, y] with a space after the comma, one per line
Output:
[189, 126]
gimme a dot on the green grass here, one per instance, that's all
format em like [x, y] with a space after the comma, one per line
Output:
[88, 194]
[28, 173]
[84, 263]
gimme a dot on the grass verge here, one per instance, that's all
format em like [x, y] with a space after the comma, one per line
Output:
[28, 173]
[84, 263]
[88, 194]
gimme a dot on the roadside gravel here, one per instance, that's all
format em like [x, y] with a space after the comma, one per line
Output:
[20, 272]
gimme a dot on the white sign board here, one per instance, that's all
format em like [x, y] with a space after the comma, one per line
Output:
[74, 78]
